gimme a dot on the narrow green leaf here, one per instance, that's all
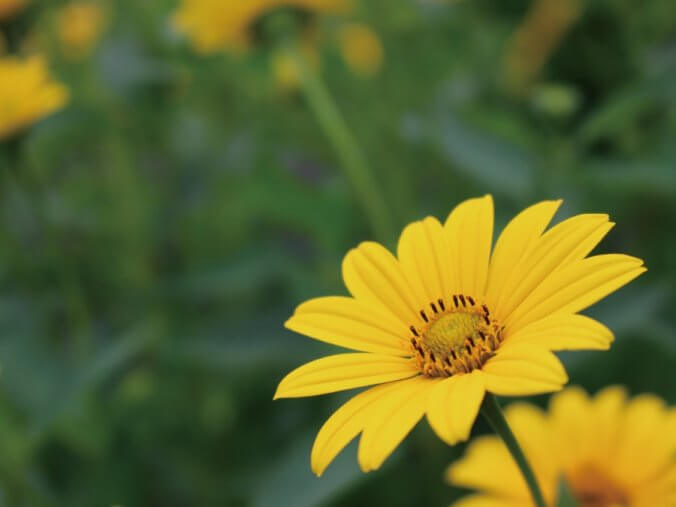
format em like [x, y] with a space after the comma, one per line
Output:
[564, 496]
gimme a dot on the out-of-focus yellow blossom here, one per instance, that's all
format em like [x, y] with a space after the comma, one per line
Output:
[212, 25]
[79, 27]
[611, 451]
[285, 69]
[27, 93]
[361, 49]
[540, 33]
[10, 7]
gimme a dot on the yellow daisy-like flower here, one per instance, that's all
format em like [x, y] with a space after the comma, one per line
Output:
[11, 7]
[612, 452]
[213, 24]
[27, 93]
[447, 320]
[79, 27]
[361, 49]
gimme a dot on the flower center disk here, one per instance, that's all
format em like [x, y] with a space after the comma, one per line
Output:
[592, 488]
[457, 340]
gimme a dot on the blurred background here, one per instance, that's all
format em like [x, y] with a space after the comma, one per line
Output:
[162, 221]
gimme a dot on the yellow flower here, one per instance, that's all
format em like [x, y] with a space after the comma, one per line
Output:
[361, 49]
[10, 7]
[447, 321]
[612, 452]
[79, 27]
[26, 93]
[214, 24]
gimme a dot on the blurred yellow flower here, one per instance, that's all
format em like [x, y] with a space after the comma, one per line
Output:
[79, 27]
[216, 24]
[446, 321]
[361, 49]
[27, 93]
[611, 451]
[10, 7]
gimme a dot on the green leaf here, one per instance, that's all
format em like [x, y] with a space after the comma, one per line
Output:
[493, 161]
[289, 477]
[624, 107]
[564, 496]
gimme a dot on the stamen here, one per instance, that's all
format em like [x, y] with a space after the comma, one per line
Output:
[463, 337]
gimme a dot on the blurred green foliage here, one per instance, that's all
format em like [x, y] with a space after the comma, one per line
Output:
[157, 232]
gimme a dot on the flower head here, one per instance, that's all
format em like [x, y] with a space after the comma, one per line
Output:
[11, 7]
[361, 49]
[213, 24]
[80, 24]
[27, 93]
[610, 451]
[447, 320]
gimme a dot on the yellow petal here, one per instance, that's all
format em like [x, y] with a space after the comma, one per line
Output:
[569, 415]
[533, 432]
[575, 287]
[644, 418]
[423, 253]
[453, 406]
[551, 252]
[607, 406]
[564, 332]
[392, 417]
[488, 466]
[659, 491]
[523, 370]
[588, 243]
[515, 240]
[469, 229]
[344, 371]
[373, 275]
[345, 423]
[490, 501]
[349, 323]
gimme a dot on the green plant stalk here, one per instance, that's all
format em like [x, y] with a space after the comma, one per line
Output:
[350, 154]
[493, 413]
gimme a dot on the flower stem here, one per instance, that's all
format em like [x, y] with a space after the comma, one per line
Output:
[350, 154]
[493, 413]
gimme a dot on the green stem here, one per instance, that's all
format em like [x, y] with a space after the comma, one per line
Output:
[493, 413]
[351, 157]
